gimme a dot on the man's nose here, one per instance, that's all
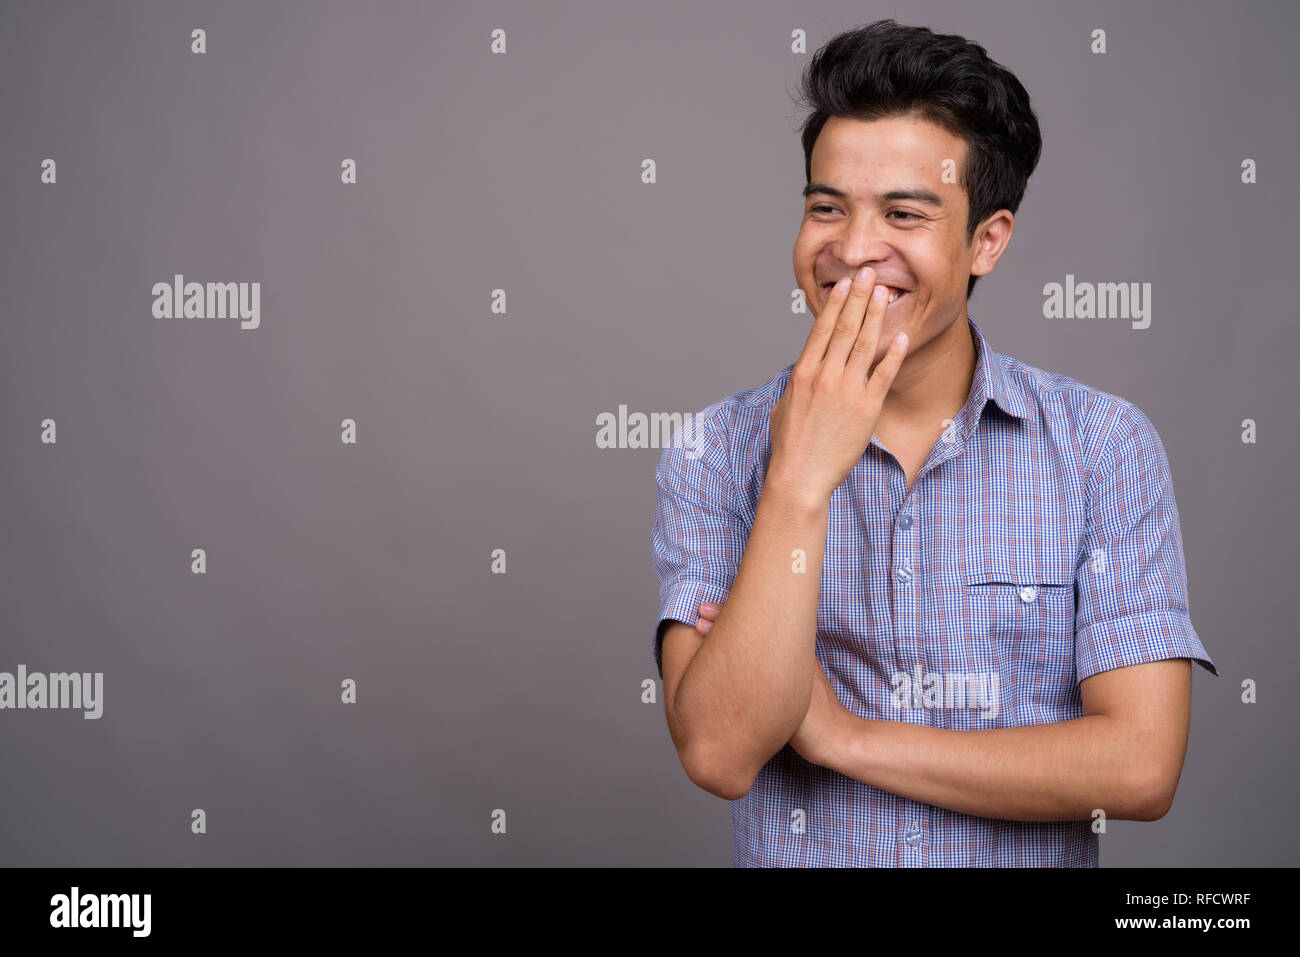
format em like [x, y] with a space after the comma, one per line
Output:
[863, 242]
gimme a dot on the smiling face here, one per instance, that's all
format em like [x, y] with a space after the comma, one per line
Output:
[878, 198]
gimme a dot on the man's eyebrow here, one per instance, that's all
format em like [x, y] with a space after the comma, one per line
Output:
[915, 195]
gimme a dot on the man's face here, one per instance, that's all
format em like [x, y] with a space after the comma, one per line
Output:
[912, 243]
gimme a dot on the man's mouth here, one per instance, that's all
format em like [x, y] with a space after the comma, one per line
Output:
[895, 295]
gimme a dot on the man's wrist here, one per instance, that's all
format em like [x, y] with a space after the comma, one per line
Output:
[840, 743]
[793, 495]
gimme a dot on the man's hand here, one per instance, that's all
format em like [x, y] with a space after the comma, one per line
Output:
[824, 420]
[826, 720]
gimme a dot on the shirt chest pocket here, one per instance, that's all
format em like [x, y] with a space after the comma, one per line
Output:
[1024, 613]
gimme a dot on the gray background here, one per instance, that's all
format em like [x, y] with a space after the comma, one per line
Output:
[522, 171]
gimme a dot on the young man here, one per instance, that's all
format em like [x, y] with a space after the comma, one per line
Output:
[921, 604]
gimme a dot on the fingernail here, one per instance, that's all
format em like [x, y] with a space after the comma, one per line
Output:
[878, 293]
[865, 274]
[705, 625]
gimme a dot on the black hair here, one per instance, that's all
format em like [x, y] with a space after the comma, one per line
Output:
[886, 69]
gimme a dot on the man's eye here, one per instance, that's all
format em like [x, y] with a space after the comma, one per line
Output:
[894, 212]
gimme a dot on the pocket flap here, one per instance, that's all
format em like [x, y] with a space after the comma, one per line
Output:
[988, 568]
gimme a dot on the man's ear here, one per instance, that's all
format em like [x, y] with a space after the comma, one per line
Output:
[991, 241]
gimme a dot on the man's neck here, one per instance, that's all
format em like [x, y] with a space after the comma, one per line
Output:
[933, 383]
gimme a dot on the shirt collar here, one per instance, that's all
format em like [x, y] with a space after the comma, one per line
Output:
[992, 382]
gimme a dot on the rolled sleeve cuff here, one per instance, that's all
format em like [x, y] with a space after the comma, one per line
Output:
[683, 604]
[1137, 639]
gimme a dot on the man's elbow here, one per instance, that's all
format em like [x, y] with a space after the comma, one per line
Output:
[728, 792]
[1153, 796]
[714, 776]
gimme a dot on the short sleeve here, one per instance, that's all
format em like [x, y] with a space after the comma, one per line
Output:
[697, 536]
[1132, 584]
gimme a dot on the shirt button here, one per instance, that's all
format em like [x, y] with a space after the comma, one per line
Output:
[912, 835]
[1028, 593]
[905, 522]
[903, 574]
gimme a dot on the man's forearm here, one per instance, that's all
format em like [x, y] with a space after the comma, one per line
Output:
[747, 689]
[1045, 772]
